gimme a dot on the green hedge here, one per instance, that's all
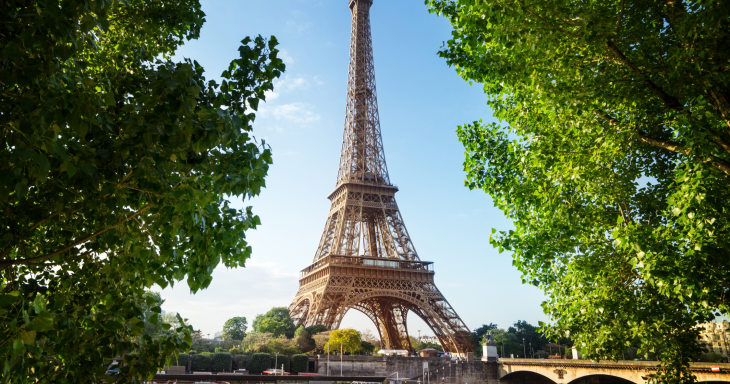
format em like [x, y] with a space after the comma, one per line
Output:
[279, 360]
[182, 359]
[259, 362]
[221, 361]
[202, 362]
[299, 363]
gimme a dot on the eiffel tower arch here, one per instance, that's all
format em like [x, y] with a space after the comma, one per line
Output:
[365, 259]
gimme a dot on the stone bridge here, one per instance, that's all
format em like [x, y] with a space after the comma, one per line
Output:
[541, 371]
[436, 370]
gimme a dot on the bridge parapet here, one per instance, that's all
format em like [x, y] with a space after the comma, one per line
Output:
[586, 371]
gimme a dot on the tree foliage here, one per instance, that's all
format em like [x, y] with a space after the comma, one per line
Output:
[320, 341]
[115, 165]
[303, 340]
[348, 339]
[315, 329]
[235, 328]
[427, 344]
[367, 346]
[612, 159]
[276, 321]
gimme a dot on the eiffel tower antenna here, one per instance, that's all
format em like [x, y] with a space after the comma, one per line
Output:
[365, 259]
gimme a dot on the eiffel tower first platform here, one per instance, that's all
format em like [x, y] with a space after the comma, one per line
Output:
[366, 260]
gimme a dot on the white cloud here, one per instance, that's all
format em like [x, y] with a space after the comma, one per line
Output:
[298, 113]
[271, 95]
[288, 60]
[288, 84]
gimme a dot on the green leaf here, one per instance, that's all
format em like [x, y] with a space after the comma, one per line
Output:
[6, 300]
[28, 337]
[43, 322]
[70, 169]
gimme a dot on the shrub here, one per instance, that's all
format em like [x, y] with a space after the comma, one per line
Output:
[299, 363]
[218, 349]
[234, 351]
[221, 361]
[240, 361]
[202, 362]
[182, 359]
[259, 362]
[281, 359]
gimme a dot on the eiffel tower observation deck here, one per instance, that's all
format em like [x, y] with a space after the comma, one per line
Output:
[365, 259]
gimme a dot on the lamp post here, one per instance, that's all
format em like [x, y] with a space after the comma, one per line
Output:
[276, 360]
[532, 354]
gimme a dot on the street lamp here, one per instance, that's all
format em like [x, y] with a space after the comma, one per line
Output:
[276, 360]
[532, 354]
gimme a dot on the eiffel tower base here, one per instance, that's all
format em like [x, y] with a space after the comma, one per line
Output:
[386, 297]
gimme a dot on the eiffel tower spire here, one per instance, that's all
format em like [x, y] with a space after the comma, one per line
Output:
[362, 158]
[365, 259]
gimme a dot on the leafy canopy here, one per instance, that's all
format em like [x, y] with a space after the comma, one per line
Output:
[348, 339]
[275, 321]
[115, 168]
[612, 158]
[235, 328]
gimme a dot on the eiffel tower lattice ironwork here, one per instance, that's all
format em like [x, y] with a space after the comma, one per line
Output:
[365, 259]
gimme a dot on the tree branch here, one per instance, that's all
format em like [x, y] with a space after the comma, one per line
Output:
[669, 145]
[545, 21]
[6, 263]
[620, 16]
[720, 102]
[669, 101]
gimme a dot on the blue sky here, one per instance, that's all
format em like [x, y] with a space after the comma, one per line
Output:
[421, 102]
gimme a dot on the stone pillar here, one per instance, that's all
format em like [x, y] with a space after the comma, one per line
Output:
[576, 355]
[489, 348]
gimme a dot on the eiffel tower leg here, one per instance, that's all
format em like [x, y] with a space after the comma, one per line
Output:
[390, 320]
[446, 325]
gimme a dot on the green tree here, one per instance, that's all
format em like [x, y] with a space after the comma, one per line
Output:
[348, 338]
[320, 341]
[368, 347]
[315, 329]
[276, 321]
[611, 157]
[507, 343]
[303, 340]
[235, 328]
[115, 167]
[428, 344]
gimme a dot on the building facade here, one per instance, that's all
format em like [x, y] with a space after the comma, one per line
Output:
[716, 336]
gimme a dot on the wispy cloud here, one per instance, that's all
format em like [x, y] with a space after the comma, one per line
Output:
[288, 60]
[298, 113]
[286, 85]
[299, 27]
[289, 84]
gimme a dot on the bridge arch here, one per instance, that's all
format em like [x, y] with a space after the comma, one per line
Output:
[525, 377]
[602, 379]
[560, 372]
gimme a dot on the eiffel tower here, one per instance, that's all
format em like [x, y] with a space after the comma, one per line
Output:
[366, 260]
